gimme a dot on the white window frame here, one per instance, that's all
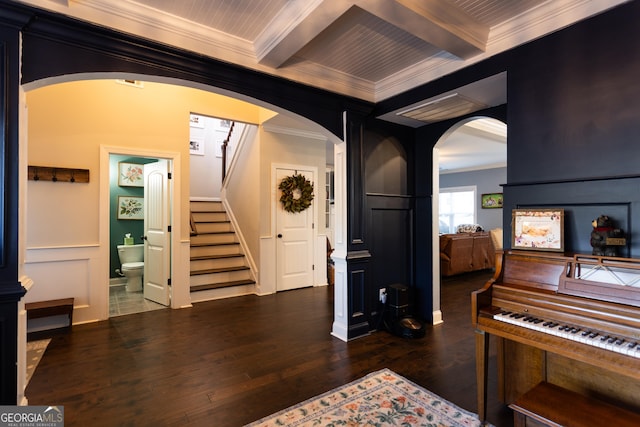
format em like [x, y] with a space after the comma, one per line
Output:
[469, 188]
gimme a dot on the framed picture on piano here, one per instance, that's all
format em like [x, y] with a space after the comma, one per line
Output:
[538, 229]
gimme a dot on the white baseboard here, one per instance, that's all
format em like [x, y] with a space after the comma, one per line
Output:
[117, 281]
[437, 317]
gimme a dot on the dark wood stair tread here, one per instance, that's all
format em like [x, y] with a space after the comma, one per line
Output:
[221, 256]
[202, 233]
[199, 245]
[218, 270]
[197, 288]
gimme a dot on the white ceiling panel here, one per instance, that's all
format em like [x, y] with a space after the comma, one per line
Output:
[361, 44]
[360, 48]
[366, 49]
[244, 19]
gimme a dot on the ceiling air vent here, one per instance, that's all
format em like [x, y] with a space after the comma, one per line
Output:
[443, 108]
[133, 83]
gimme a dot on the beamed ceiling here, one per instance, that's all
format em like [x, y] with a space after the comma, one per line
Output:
[368, 49]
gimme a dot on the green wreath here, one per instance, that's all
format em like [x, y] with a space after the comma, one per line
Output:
[297, 193]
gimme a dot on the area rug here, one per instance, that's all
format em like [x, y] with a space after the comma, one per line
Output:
[35, 351]
[382, 398]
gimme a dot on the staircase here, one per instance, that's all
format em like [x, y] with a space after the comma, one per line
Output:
[217, 259]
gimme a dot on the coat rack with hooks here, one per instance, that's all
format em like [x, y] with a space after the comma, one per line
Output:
[48, 173]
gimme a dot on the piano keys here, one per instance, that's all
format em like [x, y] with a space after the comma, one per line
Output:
[601, 339]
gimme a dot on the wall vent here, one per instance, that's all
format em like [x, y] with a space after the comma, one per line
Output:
[443, 108]
[134, 83]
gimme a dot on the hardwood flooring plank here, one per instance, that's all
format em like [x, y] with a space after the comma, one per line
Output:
[230, 362]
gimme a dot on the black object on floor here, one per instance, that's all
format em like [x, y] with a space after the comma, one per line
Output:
[399, 318]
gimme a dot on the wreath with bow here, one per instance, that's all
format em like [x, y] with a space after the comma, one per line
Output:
[297, 193]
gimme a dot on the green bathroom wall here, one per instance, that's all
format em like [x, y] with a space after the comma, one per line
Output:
[119, 227]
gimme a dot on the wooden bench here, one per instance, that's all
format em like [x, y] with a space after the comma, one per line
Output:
[550, 405]
[57, 307]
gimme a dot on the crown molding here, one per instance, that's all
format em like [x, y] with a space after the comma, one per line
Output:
[545, 19]
[294, 132]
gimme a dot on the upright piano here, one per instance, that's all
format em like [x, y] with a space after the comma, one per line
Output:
[571, 320]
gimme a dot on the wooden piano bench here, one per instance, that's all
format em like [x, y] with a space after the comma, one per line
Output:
[550, 405]
[40, 309]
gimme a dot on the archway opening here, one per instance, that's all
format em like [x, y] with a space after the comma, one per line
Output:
[469, 162]
[154, 144]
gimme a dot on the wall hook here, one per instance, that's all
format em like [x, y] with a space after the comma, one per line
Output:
[54, 174]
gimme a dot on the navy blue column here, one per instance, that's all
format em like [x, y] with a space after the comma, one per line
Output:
[358, 254]
[10, 289]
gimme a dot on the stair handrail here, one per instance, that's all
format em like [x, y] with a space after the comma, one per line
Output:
[225, 145]
[192, 224]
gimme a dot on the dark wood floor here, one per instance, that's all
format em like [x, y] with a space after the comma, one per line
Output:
[231, 362]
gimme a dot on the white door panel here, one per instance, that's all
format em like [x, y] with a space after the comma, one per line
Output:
[294, 246]
[157, 250]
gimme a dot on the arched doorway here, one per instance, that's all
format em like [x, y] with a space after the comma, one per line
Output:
[91, 252]
[472, 153]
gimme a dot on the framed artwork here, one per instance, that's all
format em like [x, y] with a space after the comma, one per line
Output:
[538, 229]
[196, 121]
[196, 146]
[492, 201]
[130, 207]
[130, 175]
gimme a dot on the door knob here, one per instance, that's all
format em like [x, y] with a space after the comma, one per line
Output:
[144, 237]
[279, 236]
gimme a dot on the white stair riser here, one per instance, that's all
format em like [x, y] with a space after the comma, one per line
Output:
[227, 276]
[206, 264]
[213, 227]
[212, 294]
[209, 216]
[214, 238]
[206, 206]
[215, 250]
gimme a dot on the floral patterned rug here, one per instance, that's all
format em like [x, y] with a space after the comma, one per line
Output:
[35, 351]
[382, 398]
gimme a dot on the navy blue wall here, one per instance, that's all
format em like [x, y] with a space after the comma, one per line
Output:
[573, 102]
[389, 209]
[573, 107]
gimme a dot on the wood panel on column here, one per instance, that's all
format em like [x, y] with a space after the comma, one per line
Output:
[358, 255]
[10, 289]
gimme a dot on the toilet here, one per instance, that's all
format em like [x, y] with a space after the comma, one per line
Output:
[132, 265]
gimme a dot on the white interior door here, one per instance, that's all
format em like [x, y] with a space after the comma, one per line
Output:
[294, 243]
[157, 250]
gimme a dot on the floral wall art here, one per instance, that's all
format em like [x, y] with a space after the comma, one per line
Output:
[130, 207]
[130, 175]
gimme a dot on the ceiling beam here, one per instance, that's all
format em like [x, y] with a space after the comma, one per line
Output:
[295, 26]
[434, 21]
